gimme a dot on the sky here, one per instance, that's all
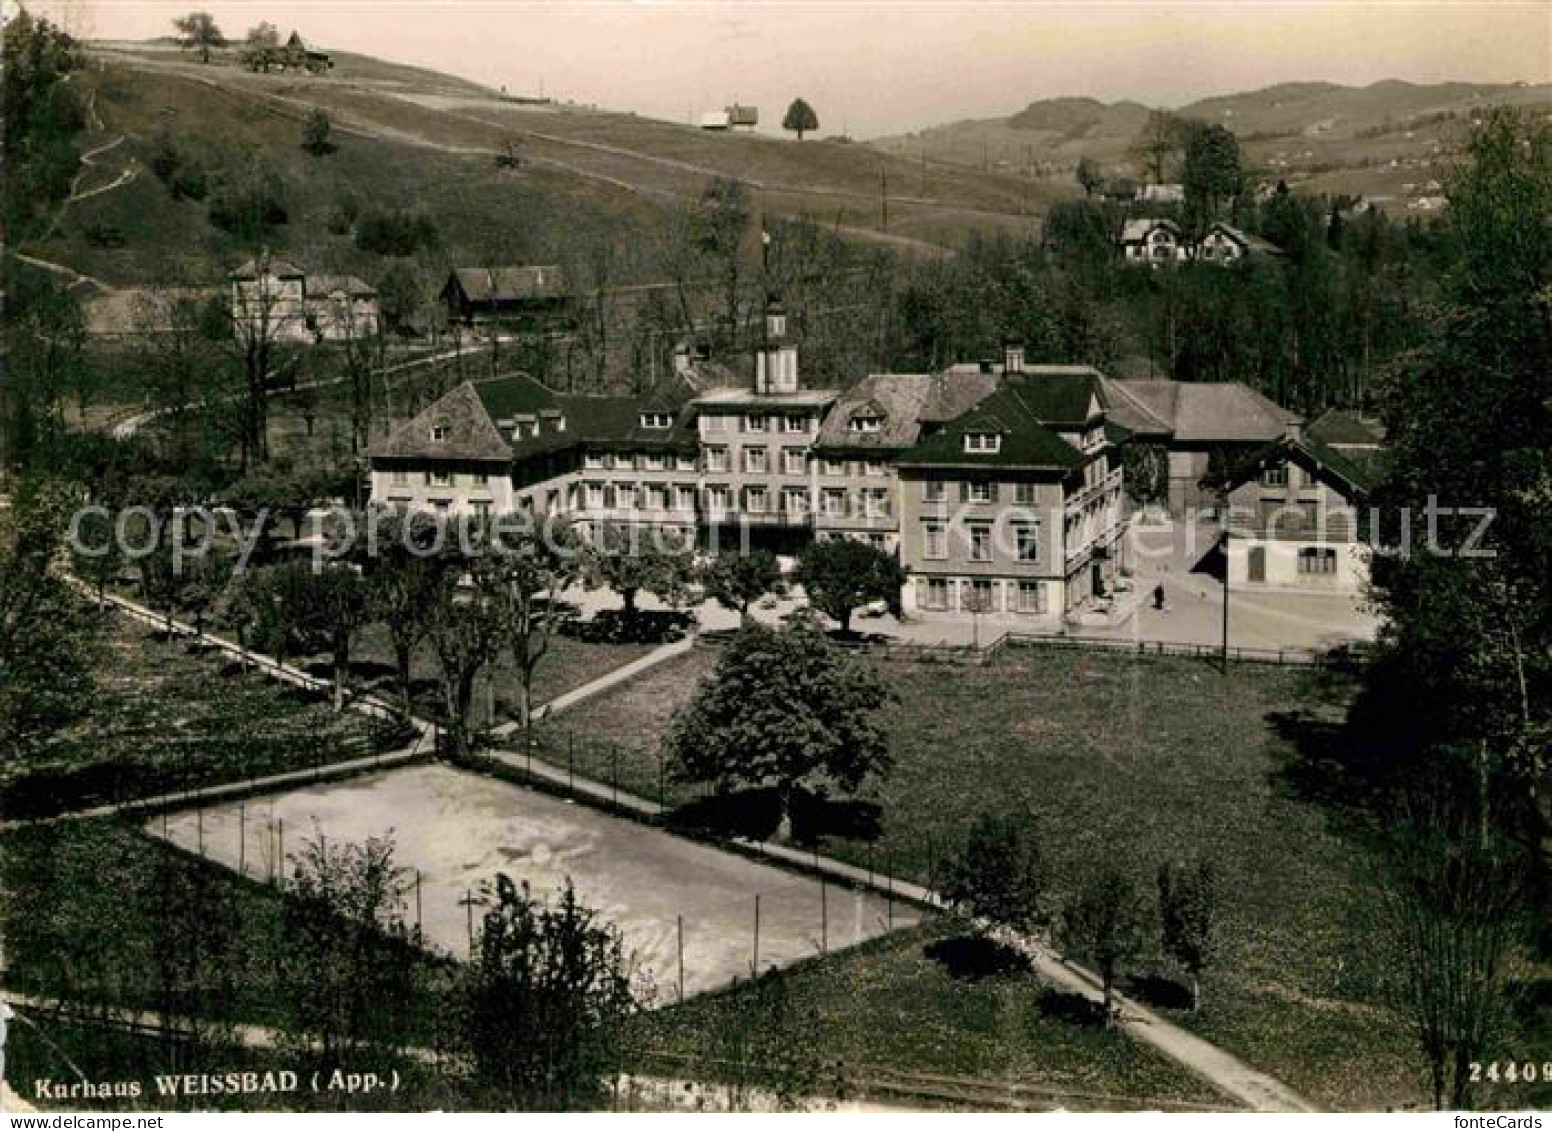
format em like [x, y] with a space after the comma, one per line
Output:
[871, 67]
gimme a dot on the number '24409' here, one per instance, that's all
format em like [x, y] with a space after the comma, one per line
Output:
[1511, 1072]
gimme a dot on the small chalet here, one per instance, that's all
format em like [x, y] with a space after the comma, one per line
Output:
[1154, 241]
[529, 296]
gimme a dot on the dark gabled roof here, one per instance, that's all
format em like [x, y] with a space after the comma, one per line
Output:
[508, 284]
[1343, 427]
[616, 420]
[1063, 397]
[471, 434]
[1026, 443]
[513, 395]
[1323, 461]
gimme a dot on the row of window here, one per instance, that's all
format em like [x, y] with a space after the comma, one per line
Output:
[978, 541]
[400, 477]
[981, 595]
[976, 491]
[757, 422]
[645, 461]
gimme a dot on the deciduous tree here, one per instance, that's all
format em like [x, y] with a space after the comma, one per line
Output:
[999, 875]
[1188, 914]
[737, 580]
[786, 711]
[548, 996]
[800, 118]
[197, 31]
[1105, 925]
[840, 574]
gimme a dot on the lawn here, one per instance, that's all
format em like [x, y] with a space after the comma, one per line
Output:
[1135, 761]
[165, 717]
[909, 1001]
[569, 664]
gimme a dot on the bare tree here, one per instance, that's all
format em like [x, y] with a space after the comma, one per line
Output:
[1452, 909]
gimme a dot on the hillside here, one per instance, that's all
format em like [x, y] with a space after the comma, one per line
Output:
[408, 138]
[1387, 139]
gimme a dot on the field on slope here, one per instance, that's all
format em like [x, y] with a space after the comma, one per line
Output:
[409, 138]
[1389, 138]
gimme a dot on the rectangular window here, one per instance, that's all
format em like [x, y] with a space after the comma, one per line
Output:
[686, 498]
[716, 459]
[401, 478]
[754, 422]
[1317, 560]
[717, 500]
[439, 478]
[976, 597]
[652, 463]
[755, 500]
[936, 596]
[874, 467]
[593, 461]
[479, 479]
[657, 497]
[877, 502]
[934, 541]
[1024, 494]
[714, 423]
[835, 467]
[934, 490]
[481, 508]
[796, 424]
[595, 496]
[980, 538]
[1026, 537]
[1031, 597]
[439, 432]
[684, 463]
[624, 462]
[978, 491]
[657, 420]
[834, 502]
[754, 459]
[1275, 476]
[983, 442]
[794, 461]
[794, 501]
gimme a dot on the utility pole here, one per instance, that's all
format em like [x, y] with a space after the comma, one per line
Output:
[1224, 543]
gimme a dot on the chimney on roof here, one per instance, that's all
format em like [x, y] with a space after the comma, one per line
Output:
[682, 362]
[1294, 428]
[987, 365]
[1013, 357]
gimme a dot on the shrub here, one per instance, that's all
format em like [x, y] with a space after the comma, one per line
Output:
[396, 233]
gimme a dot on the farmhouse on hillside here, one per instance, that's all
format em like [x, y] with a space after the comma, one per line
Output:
[277, 299]
[527, 297]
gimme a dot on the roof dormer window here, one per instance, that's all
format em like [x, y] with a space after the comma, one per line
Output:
[982, 442]
[657, 420]
[866, 422]
[439, 433]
